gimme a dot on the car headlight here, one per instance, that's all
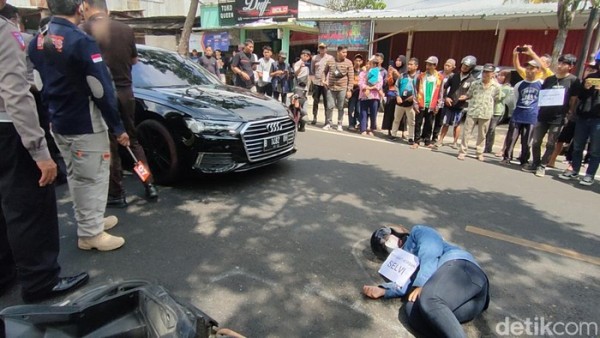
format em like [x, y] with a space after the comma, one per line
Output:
[199, 126]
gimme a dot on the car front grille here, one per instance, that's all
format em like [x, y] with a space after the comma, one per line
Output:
[259, 137]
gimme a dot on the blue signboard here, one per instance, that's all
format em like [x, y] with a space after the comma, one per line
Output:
[216, 40]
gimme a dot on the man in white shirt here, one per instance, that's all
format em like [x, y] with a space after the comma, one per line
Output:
[263, 69]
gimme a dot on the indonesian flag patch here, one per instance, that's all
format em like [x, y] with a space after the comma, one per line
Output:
[19, 39]
[96, 58]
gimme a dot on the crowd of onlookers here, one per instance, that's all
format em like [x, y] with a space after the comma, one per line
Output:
[547, 102]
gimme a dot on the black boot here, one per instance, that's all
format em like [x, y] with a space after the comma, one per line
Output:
[151, 191]
[116, 202]
[301, 125]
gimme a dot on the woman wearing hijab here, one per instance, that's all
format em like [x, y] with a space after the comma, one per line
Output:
[394, 72]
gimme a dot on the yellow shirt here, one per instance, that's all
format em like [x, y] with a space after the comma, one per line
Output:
[540, 75]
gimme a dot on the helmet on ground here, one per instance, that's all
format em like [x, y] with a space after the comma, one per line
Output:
[380, 237]
[469, 61]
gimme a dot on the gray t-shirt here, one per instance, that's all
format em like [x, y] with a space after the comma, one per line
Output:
[210, 63]
[302, 76]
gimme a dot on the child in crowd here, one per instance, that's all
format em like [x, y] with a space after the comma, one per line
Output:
[372, 75]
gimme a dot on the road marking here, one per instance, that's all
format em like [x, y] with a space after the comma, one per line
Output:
[534, 245]
[346, 134]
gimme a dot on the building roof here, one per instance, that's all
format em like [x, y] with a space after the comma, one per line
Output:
[466, 9]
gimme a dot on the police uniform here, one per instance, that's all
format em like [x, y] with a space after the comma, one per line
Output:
[81, 102]
[28, 222]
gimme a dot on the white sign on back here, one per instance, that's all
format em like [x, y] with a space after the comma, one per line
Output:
[399, 266]
[552, 97]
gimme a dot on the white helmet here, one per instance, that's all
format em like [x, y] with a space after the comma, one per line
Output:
[469, 61]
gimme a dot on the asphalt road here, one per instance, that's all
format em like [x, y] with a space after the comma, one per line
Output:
[283, 251]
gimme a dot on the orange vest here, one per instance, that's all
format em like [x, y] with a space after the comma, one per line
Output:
[436, 91]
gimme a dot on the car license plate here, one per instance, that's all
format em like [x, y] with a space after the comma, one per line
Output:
[276, 142]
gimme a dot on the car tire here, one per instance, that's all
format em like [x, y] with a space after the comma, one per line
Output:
[160, 150]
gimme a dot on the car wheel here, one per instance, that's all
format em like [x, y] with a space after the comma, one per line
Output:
[160, 150]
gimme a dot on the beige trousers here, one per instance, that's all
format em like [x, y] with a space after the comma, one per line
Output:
[399, 112]
[87, 157]
[482, 127]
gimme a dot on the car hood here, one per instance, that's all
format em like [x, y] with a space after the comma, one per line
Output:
[216, 102]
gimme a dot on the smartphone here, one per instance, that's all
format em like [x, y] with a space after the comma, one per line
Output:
[520, 49]
[392, 63]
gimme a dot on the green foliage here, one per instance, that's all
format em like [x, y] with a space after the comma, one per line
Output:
[348, 5]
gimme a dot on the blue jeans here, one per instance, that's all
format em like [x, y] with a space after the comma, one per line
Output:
[353, 109]
[368, 108]
[456, 293]
[584, 129]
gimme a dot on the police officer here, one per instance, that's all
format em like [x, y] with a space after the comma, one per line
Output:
[29, 242]
[117, 45]
[81, 102]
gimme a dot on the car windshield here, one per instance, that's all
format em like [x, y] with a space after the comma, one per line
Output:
[159, 68]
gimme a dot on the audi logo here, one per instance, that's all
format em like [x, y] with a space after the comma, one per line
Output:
[274, 127]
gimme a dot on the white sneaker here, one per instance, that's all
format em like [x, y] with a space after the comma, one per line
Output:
[326, 127]
[587, 180]
[101, 242]
[339, 128]
[110, 222]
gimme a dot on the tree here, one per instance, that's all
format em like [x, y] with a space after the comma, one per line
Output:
[184, 42]
[566, 10]
[565, 15]
[348, 5]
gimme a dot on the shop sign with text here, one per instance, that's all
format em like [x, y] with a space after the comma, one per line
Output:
[233, 12]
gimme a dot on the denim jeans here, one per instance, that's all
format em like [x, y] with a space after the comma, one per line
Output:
[540, 130]
[368, 108]
[490, 137]
[353, 109]
[335, 99]
[584, 129]
[456, 293]
[318, 91]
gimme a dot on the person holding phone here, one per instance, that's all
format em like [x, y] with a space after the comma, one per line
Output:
[280, 73]
[544, 61]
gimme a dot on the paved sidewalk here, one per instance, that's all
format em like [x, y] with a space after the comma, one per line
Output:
[498, 142]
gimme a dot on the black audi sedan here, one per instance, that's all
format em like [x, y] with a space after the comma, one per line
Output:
[187, 120]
